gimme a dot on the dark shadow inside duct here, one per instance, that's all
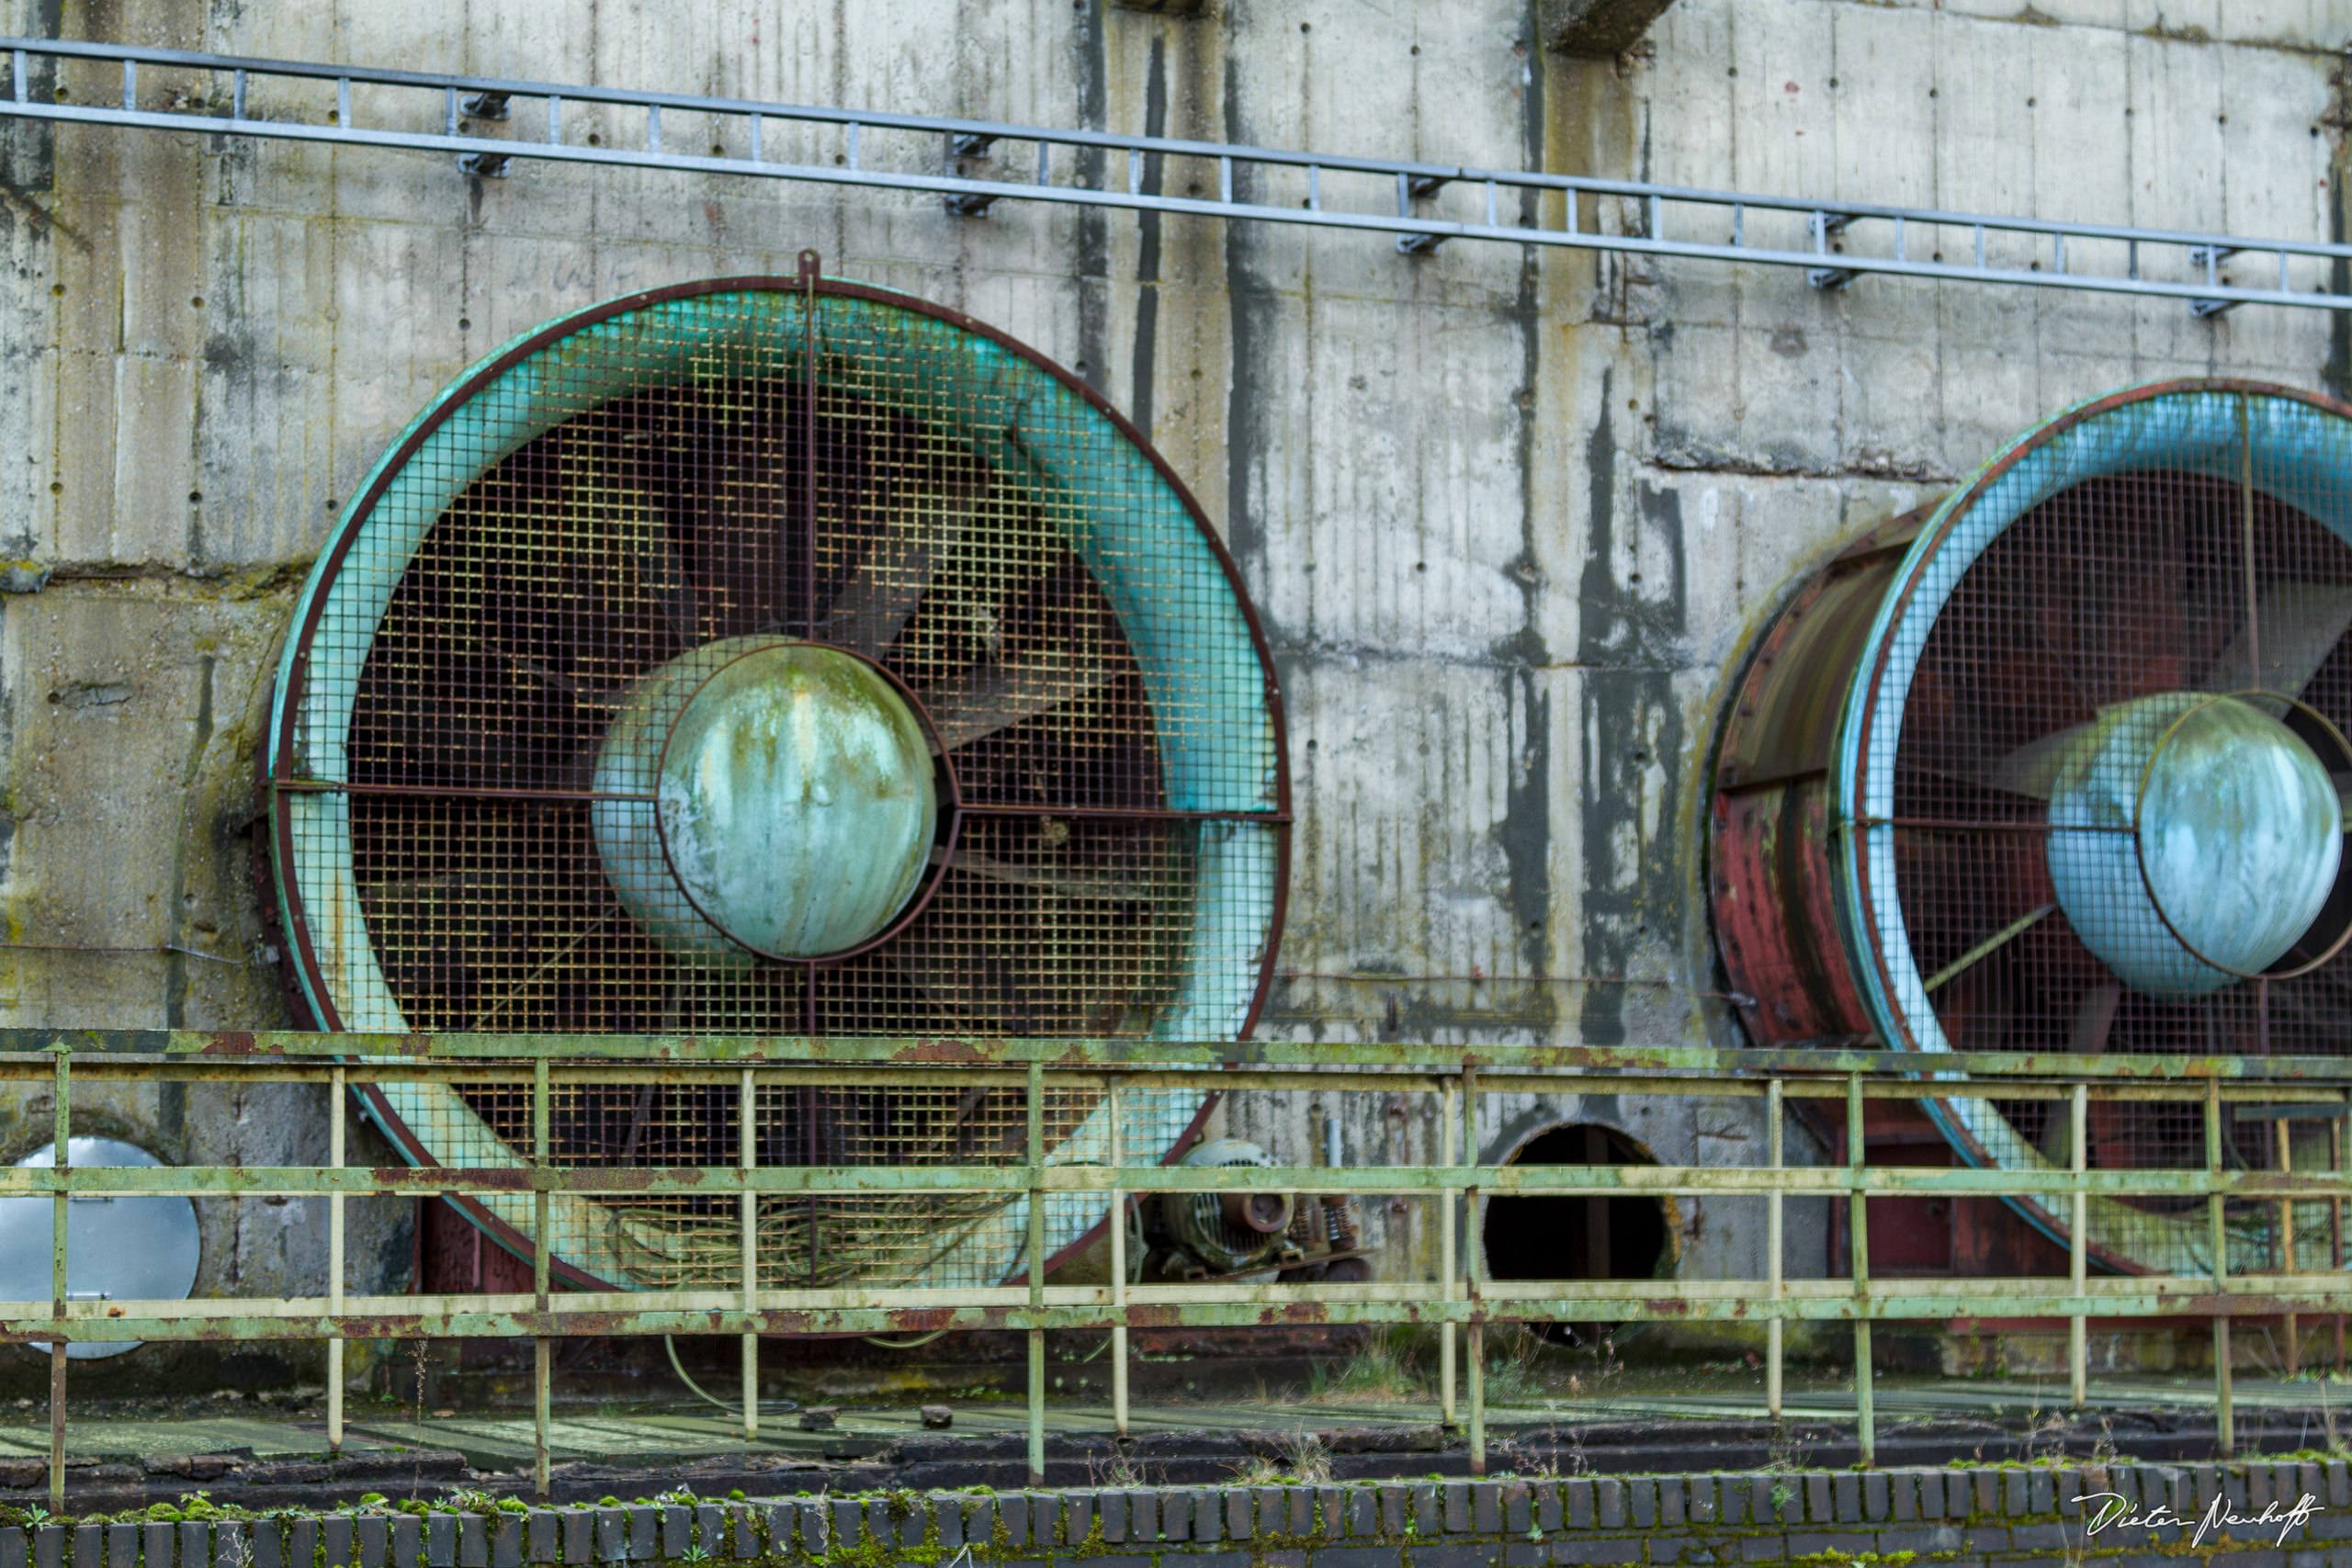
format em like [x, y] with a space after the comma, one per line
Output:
[1579, 1237]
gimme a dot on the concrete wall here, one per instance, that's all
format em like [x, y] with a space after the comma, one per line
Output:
[1510, 517]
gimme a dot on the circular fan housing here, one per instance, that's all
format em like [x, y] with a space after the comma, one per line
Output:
[776, 656]
[2056, 765]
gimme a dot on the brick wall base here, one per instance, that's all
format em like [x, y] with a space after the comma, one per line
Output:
[1974, 1517]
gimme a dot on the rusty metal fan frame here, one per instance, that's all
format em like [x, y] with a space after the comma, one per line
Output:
[1113, 841]
[1875, 876]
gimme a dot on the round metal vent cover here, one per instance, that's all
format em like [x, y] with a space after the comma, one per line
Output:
[117, 1249]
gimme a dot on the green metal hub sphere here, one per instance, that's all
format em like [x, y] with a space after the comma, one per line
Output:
[2195, 838]
[793, 804]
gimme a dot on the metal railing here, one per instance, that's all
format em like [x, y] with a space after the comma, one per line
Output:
[1420, 205]
[1461, 1302]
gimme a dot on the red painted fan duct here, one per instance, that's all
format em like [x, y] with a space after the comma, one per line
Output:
[2056, 764]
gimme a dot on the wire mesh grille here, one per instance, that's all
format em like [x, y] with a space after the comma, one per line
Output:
[676, 482]
[688, 1243]
[2132, 599]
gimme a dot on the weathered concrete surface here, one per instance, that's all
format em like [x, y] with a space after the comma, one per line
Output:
[127, 896]
[1512, 519]
[1595, 26]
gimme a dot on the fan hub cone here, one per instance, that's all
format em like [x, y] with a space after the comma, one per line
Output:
[793, 804]
[2194, 839]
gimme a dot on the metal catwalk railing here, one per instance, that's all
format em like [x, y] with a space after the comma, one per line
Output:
[1461, 1302]
[1420, 205]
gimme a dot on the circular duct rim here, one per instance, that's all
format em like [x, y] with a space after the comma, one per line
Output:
[1218, 645]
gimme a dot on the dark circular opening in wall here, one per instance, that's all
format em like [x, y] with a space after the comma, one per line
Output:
[1575, 1237]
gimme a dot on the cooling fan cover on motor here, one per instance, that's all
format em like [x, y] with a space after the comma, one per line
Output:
[776, 656]
[2058, 764]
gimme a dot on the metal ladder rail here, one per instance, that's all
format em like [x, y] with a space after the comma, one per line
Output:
[1418, 233]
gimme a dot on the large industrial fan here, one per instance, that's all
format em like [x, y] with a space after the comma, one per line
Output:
[776, 656]
[2058, 764]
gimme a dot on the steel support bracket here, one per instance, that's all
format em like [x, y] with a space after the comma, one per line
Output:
[1824, 225]
[965, 204]
[489, 165]
[1419, 244]
[2211, 258]
[969, 144]
[485, 105]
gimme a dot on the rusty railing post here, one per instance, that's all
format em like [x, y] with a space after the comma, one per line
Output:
[62, 1092]
[1857, 1227]
[2079, 1252]
[1036, 1273]
[1773, 1328]
[542, 1371]
[1447, 1251]
[2285, 1139]
[747, 1210]
[2335, 1218]
[337, 1096]
[1118, 1269]
[2225, 1425]
[1473, 1246]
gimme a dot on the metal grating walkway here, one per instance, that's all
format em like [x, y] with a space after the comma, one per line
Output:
[488, 123]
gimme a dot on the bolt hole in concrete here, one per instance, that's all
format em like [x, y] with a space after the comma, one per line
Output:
[1575, 1237]
[117, 1249]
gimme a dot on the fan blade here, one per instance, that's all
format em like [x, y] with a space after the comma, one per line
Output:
[895, 572]
[667, 583]
[2032, 769]
[1051, 880]
[1000, 978]
[2298, 625]
[995, 696]
[2094, 1019]
[600, 504]
[890, 582]
[580, 692]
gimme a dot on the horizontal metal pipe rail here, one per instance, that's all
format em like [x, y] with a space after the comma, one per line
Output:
[1460, 1301]
[1162, 1306]
[1633, 1181]
[1730, 1072]
[957, 160]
